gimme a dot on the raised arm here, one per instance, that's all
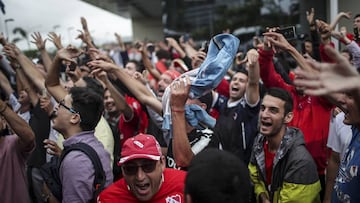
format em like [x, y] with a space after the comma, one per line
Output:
[119, 99]
[5, 84]
[52, 81]
[252, 89]
[180, 143]
[147, 63]
[120, 42]
[40, 44]
[27, 86]
[279, 41]
[139, 90]
[85, 34]
[351, 45]
[329, 78]
[340, 15]
[314, 34]
[19, 126]
[174, 44]
[26, 65]
[267, 70]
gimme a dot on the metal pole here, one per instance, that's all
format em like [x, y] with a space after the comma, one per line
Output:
[6, 27]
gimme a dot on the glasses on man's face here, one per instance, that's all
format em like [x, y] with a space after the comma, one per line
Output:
[146, 166]
[62, 103]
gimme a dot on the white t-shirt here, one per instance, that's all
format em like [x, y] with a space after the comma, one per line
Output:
[339, 134]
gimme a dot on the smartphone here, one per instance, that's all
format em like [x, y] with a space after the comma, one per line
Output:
[72, 66]
[288, 32]
[205, 46]
[356, 34]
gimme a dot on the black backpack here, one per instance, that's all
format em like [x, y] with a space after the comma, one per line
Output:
[50, 170]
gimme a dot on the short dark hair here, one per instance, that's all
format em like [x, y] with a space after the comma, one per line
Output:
[163, 54]
[357, 15]
[217, 176]
[242, 70]
[95, 85]
[138, 66]
[283, 95]
[89, 104]
[207, 99]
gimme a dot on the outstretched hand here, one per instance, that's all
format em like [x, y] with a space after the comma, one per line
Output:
[38, 41]
[278, 40]
[97, 55]
[69, 53]
[346, 15]
[11, 51]
[328, 78]
[99, 65]
[56, 39]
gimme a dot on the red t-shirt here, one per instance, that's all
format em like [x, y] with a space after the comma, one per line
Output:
[171, 190]
[223, 88]
[269, 160]
[138, 123]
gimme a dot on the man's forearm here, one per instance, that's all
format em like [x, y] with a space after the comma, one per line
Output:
[19, 126]
[31, 72]
[46, 59]
[52, 78]
[180, 142]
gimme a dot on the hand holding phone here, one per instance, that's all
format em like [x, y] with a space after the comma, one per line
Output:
[288, 32]
[356, 34]
[205, 46]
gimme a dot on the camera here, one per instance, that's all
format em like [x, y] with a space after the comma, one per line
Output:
[288, 32]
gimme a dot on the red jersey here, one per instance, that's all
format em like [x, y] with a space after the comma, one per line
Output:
[171, 190]
[138, 123]
[311, 114]
[269, 160]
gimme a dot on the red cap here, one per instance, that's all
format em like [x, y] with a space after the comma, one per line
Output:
[180, 63]
[172, 73]
[141, 146]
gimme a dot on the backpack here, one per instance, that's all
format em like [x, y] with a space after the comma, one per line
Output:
[50, 171]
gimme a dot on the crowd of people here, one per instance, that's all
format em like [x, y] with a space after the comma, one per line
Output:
[171, 122]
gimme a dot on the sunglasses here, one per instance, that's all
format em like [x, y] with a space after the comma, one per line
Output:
[132, 168]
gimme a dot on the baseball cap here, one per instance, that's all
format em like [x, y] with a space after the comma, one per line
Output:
[172, 73]
[180, 63]
[141, 146]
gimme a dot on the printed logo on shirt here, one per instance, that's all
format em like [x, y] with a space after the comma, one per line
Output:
[173, 199]
[235, 116]
[353, 171]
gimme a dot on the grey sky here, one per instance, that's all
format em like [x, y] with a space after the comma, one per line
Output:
[63, 16]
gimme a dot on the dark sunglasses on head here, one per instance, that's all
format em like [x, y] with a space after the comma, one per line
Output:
[132, 168]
